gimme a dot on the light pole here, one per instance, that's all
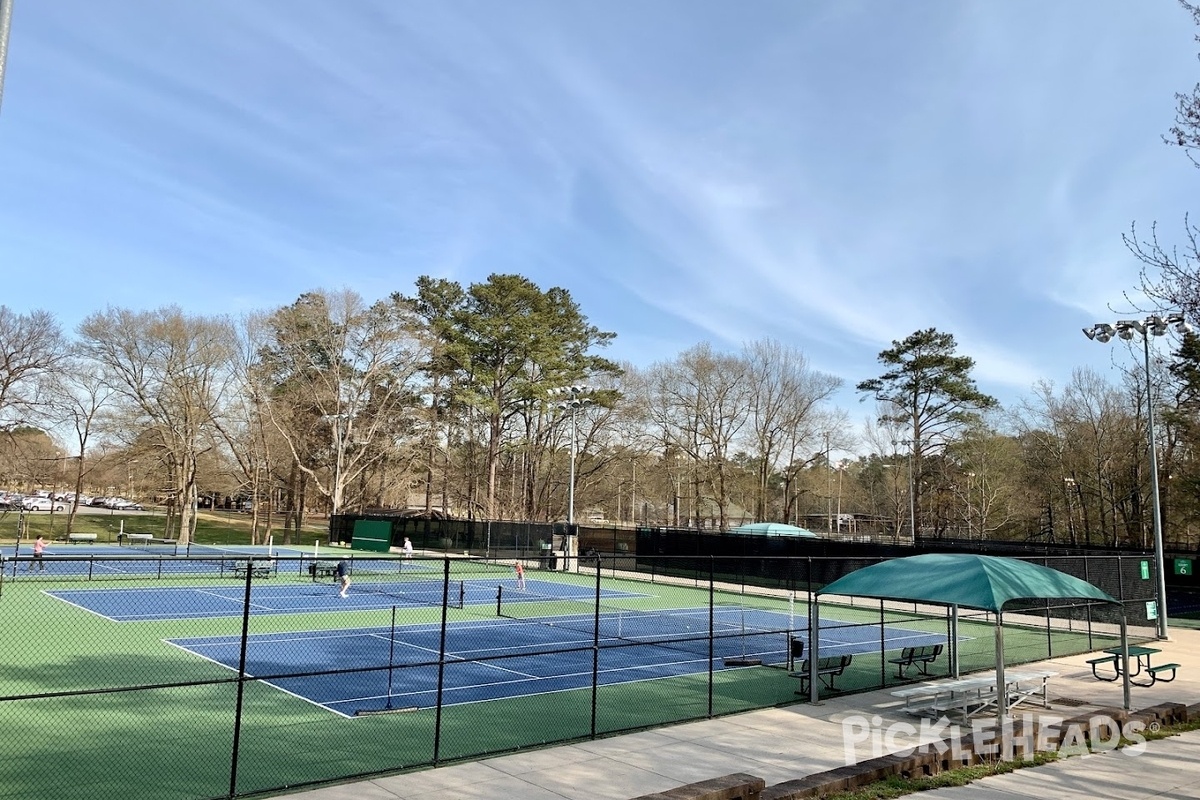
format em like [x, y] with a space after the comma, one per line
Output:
[1153, 325]
[841, 469]
[970, 525]
[912, 499]
[1069, 484]
[573, 402]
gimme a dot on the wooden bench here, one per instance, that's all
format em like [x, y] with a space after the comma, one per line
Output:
[75, 538]
[828, 669]
[1111, 661]
[256, 570]
[920, 657]
[141, 538]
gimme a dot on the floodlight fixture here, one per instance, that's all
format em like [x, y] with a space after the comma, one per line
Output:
[1152, 325]
[1126, 327]
[1101, 332]
[571, 404]
[1182, 326]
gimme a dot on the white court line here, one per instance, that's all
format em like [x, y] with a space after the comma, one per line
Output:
[50, 593]
[234, 670]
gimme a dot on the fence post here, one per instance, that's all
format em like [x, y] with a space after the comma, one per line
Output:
[596, 652]
[241, 682]
[441, 679]
[712, 620]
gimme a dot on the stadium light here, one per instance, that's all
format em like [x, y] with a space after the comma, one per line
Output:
[573, 402]
[1153, 325]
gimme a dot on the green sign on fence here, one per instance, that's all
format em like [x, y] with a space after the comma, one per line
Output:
[374, 535]
[1183, 566]
[1145, 570]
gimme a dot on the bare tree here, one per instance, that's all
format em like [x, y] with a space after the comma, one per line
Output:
[31, 348]
[785, 395]
[700, 405]
[342, 373]
[79, 395]
[170, 374]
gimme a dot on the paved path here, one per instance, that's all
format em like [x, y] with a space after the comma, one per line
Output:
[781, 744]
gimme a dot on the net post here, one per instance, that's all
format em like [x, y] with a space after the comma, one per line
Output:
[499, 595]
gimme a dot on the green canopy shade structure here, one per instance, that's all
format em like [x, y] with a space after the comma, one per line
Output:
[986, 583]
[774, 529]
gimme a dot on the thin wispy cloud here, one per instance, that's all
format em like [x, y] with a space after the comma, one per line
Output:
[833, 174]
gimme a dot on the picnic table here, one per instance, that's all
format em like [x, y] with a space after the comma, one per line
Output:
[1139, 659]
[970, 696]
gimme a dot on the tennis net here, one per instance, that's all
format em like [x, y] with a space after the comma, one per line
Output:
[416, 583]
[734, 630]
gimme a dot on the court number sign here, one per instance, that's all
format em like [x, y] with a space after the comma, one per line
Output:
[1145, 570]
[1183, 566]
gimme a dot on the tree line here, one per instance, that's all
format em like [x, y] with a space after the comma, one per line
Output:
[448, 400]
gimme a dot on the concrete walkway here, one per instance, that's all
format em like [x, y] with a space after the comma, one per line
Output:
[781, 744]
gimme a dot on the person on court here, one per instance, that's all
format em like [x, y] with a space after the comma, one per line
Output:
[408, 550]
[520, 575]
[342, 573]
[39, 549]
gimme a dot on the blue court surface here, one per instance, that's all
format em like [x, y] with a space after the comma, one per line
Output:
[98, 561]
[504, 658]
[297, 596]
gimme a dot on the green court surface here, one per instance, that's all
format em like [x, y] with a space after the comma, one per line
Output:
[99, 708]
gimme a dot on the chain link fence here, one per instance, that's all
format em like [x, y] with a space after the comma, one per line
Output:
[216, 674]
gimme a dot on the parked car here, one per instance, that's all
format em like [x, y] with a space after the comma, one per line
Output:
[42, 504]
[121, 504]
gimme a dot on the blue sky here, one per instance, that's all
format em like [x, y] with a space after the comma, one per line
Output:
[830, 173]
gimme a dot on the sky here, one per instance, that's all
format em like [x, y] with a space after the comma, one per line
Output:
[831, 174]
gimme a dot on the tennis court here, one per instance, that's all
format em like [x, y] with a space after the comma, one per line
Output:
[409, 584]
[100, 561]
[369, 669]
[148, 664]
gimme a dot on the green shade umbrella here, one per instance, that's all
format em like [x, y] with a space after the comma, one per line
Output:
[970, 581]
[987, 583]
